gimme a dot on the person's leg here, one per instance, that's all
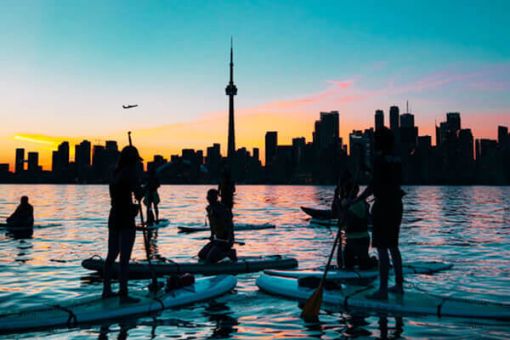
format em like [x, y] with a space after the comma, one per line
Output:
[156, 210]
[127, 240]
[217, 252]
[340, 256]
[202, 254]
[396, 259]
[384, 267]
[384, 264]
[349, 254]
[363, 255]
[113, 252]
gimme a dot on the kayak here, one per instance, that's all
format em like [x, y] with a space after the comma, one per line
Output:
[237, 227]
[412, 302]
[418, 267]
[164, 222]
[244, 264]
[320, 214]
[36, 226]
[74, 313]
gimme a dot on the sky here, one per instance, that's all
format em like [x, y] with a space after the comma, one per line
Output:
[67, 67]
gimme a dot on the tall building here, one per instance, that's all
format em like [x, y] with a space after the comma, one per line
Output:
[394, 118]
[60, 159]
[503, 138]
[231, 91]
[453, 122]
[327, 130]
[407, 120]
[271, 146]
[379, 119]
[33, 162]
[20, 161]
[82, 154]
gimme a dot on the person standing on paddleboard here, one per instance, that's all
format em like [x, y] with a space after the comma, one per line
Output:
[151, 198]
[126, 181]
[222, 231]
[386, 211]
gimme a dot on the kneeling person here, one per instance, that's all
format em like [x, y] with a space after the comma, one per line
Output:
[222, 231]
[356, 229]
[23, 216]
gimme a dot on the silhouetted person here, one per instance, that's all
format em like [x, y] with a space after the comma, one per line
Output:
[222, 231]
[355, 224]
[23, 216]
[227, 189]
[126, 181]
[151, 198]
[386, 211]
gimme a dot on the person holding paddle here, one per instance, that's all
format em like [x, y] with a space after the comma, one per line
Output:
[222, 231]
[386, 211]
[151, 198]
[121, 221]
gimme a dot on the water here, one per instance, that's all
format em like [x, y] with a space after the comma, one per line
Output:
[467, 226]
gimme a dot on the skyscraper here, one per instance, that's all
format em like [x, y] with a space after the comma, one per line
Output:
[20, 161]
[453, 122]
[271, 145]
[394, 118]
[327, 130]
[33, 162]
[379, 119]
[231, 91]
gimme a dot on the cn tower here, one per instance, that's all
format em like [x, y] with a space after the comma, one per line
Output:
[231, 91]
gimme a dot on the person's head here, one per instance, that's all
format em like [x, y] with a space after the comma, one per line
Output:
[384, 141]
[212, 196]
[129, 157]
[349, 188]
[24, 200]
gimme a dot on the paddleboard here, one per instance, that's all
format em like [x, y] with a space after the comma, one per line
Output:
[36, 226]
[237, 227]
[412, 302]
[164, 222]
[418, 267]
[244, 264]
[92, 310]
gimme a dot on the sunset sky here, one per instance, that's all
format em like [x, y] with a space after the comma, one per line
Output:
[67, 67]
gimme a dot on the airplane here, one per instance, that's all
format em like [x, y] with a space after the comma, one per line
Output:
[129, 106]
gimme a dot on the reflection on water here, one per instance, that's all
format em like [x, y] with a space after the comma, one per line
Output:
[467, 226]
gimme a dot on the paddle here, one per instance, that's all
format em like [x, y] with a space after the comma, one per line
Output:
[312, 305]
[241, 243]
[154, 286]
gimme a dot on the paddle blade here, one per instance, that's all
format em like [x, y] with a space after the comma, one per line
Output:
[312, 306]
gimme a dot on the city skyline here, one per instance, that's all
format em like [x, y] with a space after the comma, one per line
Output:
[63, 80]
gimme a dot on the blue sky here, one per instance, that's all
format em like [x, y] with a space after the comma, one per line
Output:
[66, 67]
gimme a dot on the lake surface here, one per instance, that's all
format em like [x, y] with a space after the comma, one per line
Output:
[466, 226]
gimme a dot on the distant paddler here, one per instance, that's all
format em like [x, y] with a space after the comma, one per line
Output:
[23, 216]
[221, 241]
[126, 182]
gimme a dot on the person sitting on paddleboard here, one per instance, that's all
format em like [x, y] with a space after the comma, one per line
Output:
[23, 216]
[226, 189]
[126, 181]
[151, 198]
[386, 211]
[222, 231]
[355, 224]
